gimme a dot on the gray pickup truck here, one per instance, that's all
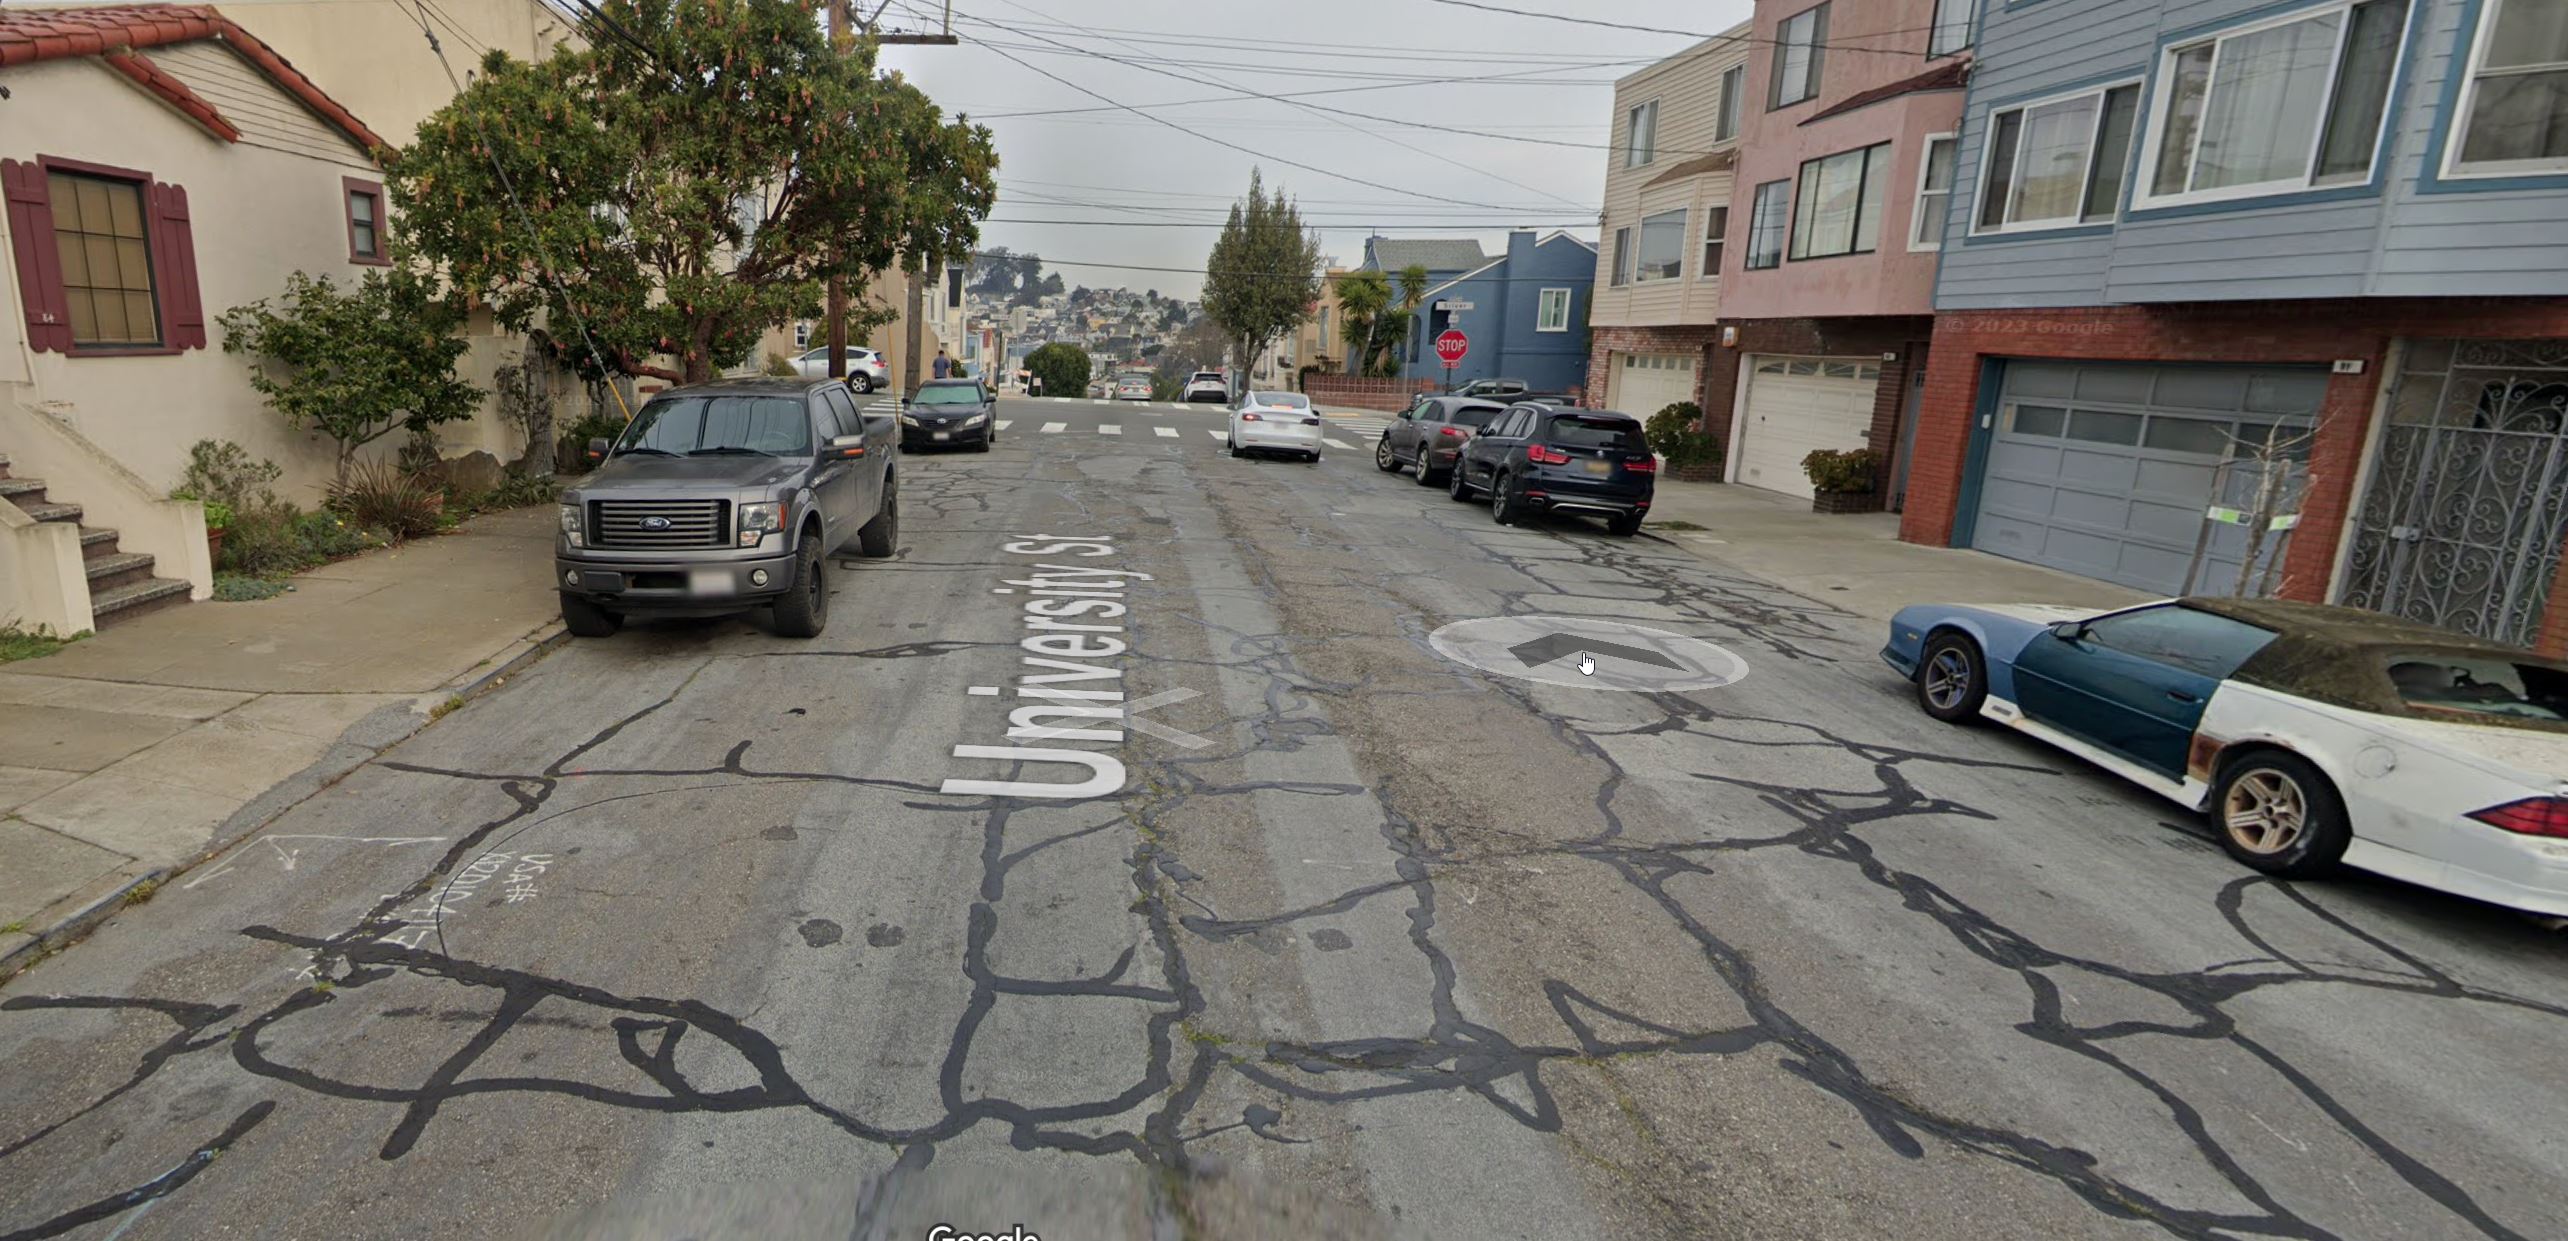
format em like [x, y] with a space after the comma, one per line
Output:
[728, 497]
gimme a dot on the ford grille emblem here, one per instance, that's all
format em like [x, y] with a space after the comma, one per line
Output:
[655, 523]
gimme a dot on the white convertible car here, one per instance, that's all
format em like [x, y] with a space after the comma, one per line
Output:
[2311, 735]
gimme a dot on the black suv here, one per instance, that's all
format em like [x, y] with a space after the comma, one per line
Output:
[951, 413]
[1547, 458]
[725, 497]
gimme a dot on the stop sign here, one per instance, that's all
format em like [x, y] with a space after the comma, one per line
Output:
[1452, 345]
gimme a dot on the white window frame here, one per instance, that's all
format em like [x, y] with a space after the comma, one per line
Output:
[1937, 24]
[1543, 307]
[2086, 182]
[1716, 212]
[2457, 125]
[1725, 114]
[1640, 231]
[1917, 211]
[1635, 153]
[2160, 112]
[1621, 272]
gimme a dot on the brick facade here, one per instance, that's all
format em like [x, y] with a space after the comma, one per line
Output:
[2244, 333]
[1894, 340]
[1605, 342]
[1387, 395]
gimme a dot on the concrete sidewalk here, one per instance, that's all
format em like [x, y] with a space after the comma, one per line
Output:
[1854, 560]
[135, 753]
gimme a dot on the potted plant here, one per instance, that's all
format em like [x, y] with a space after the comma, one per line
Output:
[1842, 481]
[218, 518]
[1676, 434]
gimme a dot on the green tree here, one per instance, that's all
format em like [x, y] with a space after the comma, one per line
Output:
[359, 364]
[1062, 367]
[1373, 317]
[1264, 273]
[683, 191]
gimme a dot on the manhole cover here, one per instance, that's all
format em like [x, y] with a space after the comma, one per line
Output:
[1584, 652]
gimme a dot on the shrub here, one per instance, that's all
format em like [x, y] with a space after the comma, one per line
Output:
[386, 497]
[573, 453]
[218, 515]
[324, 537]
[241, 588]
[1848, 471]
[421, 456]
[1062, 366]
[1672, 434]
[221, 472]
[262, 542]
[780, 366]
[359, 364]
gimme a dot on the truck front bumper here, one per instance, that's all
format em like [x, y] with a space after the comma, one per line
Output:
[674, 586]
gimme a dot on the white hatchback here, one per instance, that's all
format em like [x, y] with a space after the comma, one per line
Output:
[1277, 422]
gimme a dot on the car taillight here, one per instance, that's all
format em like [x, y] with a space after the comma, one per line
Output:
[1310, 422]
[1455, 432]
[1642, 465]
[2533, 816]
[1540, 455]
[1250, 418]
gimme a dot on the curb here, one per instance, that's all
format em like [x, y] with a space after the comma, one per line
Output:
[360, 744]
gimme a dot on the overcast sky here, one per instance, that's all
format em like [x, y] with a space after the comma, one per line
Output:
[1534, 78]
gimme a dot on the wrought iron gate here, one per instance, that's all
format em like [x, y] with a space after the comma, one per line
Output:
[2468, 506]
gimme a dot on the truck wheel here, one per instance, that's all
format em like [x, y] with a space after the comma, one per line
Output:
[587, 620]
[882, 536]
[803, 610]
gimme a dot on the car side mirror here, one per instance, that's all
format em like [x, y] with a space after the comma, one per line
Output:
[2069, 631]
[597, 448]
[846, 448]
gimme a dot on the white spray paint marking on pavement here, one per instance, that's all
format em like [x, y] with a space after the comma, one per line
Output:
[288, 857]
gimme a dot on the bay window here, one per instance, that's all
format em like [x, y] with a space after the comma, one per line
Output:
[2056, 163]
[2288, 104]
[1841, 203]
[1662, 247]
[2513, 111]
[1934, 193]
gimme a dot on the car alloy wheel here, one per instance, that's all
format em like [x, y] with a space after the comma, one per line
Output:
[1382, 458]
[2265, 811]
[1502, 508]
[1948, 678]
[1459, 487]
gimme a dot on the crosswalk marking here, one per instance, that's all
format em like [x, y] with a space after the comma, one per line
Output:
[1218, 434]
[1109, 429]
[1004, 423]
[1050, 427]
[1341, 444]
[1166, 432]
[1094, 401]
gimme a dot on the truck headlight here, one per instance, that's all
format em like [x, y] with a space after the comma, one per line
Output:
[572, 531]
[757, 521]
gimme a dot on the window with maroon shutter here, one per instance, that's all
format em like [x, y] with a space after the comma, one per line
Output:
[106, 259]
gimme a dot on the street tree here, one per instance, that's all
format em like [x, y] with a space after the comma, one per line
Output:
[681, 191]
[1062, 367]
[1264, 272]
[358, 364]
[1373, 317]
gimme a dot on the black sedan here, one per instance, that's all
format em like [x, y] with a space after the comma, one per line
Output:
[1540, 457]
[951, 413]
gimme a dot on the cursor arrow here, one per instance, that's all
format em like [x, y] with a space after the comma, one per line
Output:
[1552, 646]
[1586, 664]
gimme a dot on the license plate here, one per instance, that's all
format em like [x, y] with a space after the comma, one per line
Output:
[708, 582]
[1600, 467]
[945, 435]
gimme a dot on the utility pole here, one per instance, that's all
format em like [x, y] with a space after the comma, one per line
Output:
[872, 26]
[917, 327]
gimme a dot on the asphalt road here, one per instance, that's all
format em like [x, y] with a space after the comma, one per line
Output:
[686, 932]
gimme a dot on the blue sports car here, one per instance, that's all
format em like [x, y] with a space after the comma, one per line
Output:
[2310, 734]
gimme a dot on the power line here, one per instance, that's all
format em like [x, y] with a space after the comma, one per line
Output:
[1481, 225]
[1200, 271]
[1220, 142]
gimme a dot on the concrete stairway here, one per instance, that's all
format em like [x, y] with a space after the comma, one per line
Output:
[121, 585]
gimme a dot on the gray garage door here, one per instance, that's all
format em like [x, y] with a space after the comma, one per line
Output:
[2106, 470]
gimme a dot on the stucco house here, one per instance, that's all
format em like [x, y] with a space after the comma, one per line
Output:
[161, 165]
[1522, 312]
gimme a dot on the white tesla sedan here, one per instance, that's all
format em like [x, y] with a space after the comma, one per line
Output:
[1276, 422]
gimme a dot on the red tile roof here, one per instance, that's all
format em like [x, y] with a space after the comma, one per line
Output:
[30, 35]
[1950, 75]
[151, 77]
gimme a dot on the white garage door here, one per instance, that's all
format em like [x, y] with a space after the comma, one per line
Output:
[1642, 384]
[1794, 405]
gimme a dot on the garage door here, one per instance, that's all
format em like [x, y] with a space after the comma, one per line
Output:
[2107, 470]
[1795, 405]
[1642, 384]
